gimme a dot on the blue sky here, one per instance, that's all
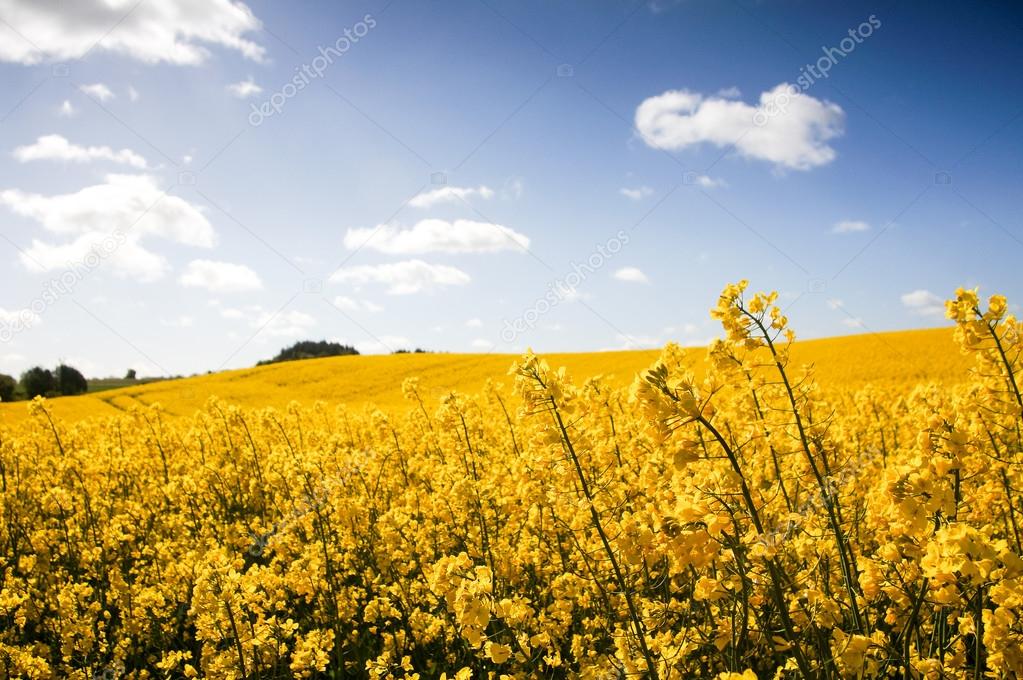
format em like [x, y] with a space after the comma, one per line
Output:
[483, 175]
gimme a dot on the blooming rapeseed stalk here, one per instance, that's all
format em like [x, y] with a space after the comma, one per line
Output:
[731, 515]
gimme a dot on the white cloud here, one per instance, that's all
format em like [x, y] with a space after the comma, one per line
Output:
[98, 91]
[513, 189]
[403, 278]
[437, 236]
[112, 219]
[636, 194]
[474, 323]
[120, 202]
[171, 31]
[290, 324]
[283, 324]
[126, 256]
[707, 182]
[348, 304]
[66, 109]
[849, 227]
[793, 132]
[57, 148]
[133, 94]
[924, 303]
[480, 343]
[730, 92]
[18, 318]
[853, 322]
[632, 275]
[429, 199]
[835, 303]
[244, 88]
[220, 277]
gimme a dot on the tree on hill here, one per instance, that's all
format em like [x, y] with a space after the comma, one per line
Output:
[70, 381]
[131, 374]
[8, 386]
[311, 349]
[38, 382]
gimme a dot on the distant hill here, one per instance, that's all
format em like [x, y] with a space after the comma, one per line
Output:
[850, 362]
[311, 349]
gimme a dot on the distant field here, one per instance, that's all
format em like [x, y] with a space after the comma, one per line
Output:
[104, 384]
[850, 361]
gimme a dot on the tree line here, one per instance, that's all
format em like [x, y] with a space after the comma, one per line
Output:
[42, 382]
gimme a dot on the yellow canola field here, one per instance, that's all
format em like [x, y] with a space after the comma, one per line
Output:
[726, 513]
[895, 358]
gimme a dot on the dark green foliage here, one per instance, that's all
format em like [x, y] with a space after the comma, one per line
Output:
[8, 386]
[70, 381]
[311, 349]
[38, 382]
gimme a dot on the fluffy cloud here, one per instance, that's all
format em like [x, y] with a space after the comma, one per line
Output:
[220, 277]
[632, 275]
[172, 31]
[924, 303]
[110, 220]
[428, 199]
[66, 109]
[403, 278]
[290, 324]
[245, 88]
[98, 91]
[636, 194]
[437, 236]
[18, 318]
[850, 226]
[124, 254]
[787, 128]
[705, 181]
[57, 148]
